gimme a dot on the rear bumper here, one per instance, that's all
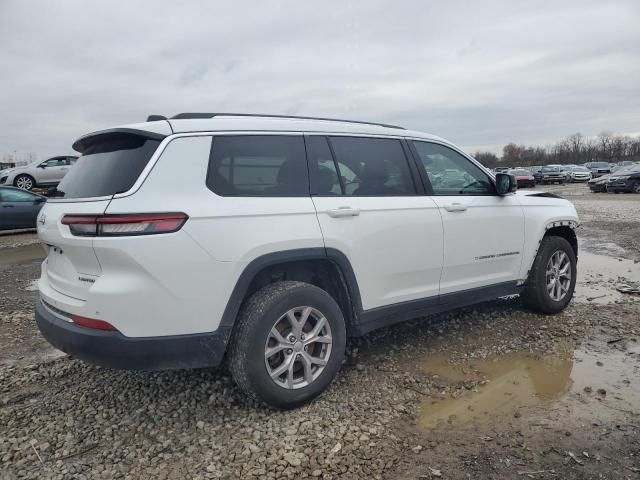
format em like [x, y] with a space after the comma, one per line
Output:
[114, 350]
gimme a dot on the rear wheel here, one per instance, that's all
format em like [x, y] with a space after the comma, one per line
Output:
[636, 187]
[24, 182]
[288, 345]
[552, 279]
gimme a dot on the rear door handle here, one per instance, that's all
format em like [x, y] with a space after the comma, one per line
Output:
[455, 207]
[344, 212]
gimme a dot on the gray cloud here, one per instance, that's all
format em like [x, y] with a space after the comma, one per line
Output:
[479, 75]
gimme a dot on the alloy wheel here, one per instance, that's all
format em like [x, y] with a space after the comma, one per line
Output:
[24, 183]
[298, 347]
[558, 275]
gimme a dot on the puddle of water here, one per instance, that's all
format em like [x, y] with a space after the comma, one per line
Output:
[23, 254]
[598, 276]
[515, 381]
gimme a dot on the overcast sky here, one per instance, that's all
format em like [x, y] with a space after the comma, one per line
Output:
[480, 74]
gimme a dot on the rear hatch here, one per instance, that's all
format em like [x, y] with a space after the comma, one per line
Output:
[110, 163]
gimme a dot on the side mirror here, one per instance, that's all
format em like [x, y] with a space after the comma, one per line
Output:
[505, 183]
[42, 165]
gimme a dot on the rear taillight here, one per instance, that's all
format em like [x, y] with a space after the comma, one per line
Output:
[124, 225]
[92, 323]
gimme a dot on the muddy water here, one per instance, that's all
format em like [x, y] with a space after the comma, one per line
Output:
[22, 254]
[598, 276]
[514, 384]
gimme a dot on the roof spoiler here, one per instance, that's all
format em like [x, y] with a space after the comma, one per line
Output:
[81, 144]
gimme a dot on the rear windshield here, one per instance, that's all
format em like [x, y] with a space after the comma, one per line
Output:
[109, 164]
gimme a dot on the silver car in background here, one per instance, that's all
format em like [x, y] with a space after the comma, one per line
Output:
[45, 173]
[580, 174]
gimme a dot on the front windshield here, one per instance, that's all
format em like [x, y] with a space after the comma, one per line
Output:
[580, 169]
[550, 169]
[600, 164]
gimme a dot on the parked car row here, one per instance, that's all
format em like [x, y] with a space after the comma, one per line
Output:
[613, 175]
[624, 180]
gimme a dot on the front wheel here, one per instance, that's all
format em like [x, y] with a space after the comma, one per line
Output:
[288, 345]
[552, 278]
[25, 182]
[636, 187]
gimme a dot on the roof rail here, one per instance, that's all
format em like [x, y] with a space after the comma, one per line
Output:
[182, 116]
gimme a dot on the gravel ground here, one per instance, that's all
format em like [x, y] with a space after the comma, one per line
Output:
[408, 404]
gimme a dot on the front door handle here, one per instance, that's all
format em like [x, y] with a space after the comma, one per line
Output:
[344, 212]
[455, 207]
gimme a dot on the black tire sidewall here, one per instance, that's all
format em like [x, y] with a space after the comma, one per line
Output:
[551, 246]
[256, 371]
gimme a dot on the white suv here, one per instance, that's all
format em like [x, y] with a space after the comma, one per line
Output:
[269, 240]
[38, 174]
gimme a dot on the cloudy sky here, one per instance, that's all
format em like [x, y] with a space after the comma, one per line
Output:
[480, 74]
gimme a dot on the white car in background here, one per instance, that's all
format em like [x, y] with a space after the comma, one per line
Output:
[580, 174]
[45, 173]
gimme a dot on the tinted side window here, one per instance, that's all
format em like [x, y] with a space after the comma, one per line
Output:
[372, 166]
[10, 195]
[451, 173]
[258, 165]
[322, 168]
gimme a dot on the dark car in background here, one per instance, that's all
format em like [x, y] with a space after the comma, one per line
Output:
[598, 168]
[625, 180]
[19, 208]
[523, 177]
[550, 174]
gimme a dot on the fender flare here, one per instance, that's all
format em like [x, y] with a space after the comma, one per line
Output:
[239, 292]
[572, 224]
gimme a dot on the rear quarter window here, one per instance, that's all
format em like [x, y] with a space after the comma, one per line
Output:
[110, 164]
[258, 165]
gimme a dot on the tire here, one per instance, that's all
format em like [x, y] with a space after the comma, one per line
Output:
[24, 181]
[536, 295]
[265, 312]
[636, 187]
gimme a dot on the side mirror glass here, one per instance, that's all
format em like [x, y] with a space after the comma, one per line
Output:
[506, 183]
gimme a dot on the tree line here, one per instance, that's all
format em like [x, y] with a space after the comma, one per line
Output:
[575, 148]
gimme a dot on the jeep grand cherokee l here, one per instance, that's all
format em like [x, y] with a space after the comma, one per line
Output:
[265, 241]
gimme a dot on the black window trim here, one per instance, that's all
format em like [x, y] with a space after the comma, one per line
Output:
[257, 134]
[425, 177]
[418, 188]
